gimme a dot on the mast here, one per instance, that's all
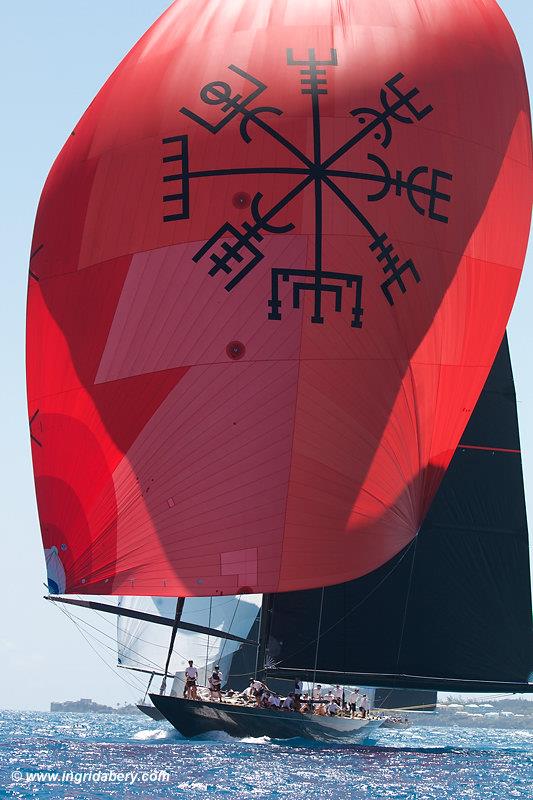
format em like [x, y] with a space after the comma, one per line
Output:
[264, 629]
[180, 602]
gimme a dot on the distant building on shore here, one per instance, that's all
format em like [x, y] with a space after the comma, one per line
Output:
[87, 706]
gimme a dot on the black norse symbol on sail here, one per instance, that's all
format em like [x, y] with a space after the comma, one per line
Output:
[233, 252]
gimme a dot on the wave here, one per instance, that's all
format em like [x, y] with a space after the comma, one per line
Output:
[153, 735]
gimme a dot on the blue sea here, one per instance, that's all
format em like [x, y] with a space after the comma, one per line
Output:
[85, 757]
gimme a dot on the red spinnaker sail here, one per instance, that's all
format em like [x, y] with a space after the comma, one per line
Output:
[271, 268]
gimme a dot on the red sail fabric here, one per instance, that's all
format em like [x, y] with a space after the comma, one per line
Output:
[271, 268]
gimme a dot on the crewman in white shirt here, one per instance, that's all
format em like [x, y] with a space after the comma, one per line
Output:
[353, 702]
[288, 703]
[332, 709]
[191, 676]
[249, 692]
[274, 701]
[259, 689]
[317, 692]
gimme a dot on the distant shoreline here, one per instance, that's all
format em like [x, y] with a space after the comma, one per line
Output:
[505, 714]
[88, 706]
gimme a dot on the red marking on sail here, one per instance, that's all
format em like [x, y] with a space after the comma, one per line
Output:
[490, 449]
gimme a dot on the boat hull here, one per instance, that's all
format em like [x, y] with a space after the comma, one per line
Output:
[150, 711]
[194, 717]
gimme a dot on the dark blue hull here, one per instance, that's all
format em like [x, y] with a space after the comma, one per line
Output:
[150, 711]
[194, 717]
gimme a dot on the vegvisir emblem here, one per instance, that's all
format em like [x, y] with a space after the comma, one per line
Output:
[236, 252]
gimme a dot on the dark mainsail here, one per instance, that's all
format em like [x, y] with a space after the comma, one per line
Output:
[452, 610]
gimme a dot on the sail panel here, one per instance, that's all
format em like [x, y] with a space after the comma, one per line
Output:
[142, 645]
[454, 606]
[268, 279]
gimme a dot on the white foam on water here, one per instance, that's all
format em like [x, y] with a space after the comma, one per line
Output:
[223, 736]
[256, 740]
[150, 735]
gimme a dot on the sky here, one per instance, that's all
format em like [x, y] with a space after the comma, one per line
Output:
[55, 56]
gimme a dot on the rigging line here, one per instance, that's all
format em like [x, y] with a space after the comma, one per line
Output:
[114, 639]
[386, 698]
[207, 647]
[131, 685]
[406, 605]
[318, 641]
[259, 642]
[408, 708]
[356, 606]
[147, 663]
[85, 634]
[124, 630]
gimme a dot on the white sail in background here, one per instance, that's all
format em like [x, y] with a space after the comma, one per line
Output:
[144, 645]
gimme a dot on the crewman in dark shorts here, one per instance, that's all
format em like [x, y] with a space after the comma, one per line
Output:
[215, 684]
[353, 701]
[191, 678]
[363, 706]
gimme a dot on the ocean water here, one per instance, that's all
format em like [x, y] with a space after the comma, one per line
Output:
[88, 757]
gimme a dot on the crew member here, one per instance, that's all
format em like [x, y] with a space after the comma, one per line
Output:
[332, 709]
[215, 684]
[317, 692]
[274, 701]
[249, 692]
[306, 707]
[363, 706]
[353, 700]
[288, 703]
[338, 693]
[259, 689]
[191, 677]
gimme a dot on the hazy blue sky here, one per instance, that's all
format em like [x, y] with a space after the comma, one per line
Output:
[55, 56]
